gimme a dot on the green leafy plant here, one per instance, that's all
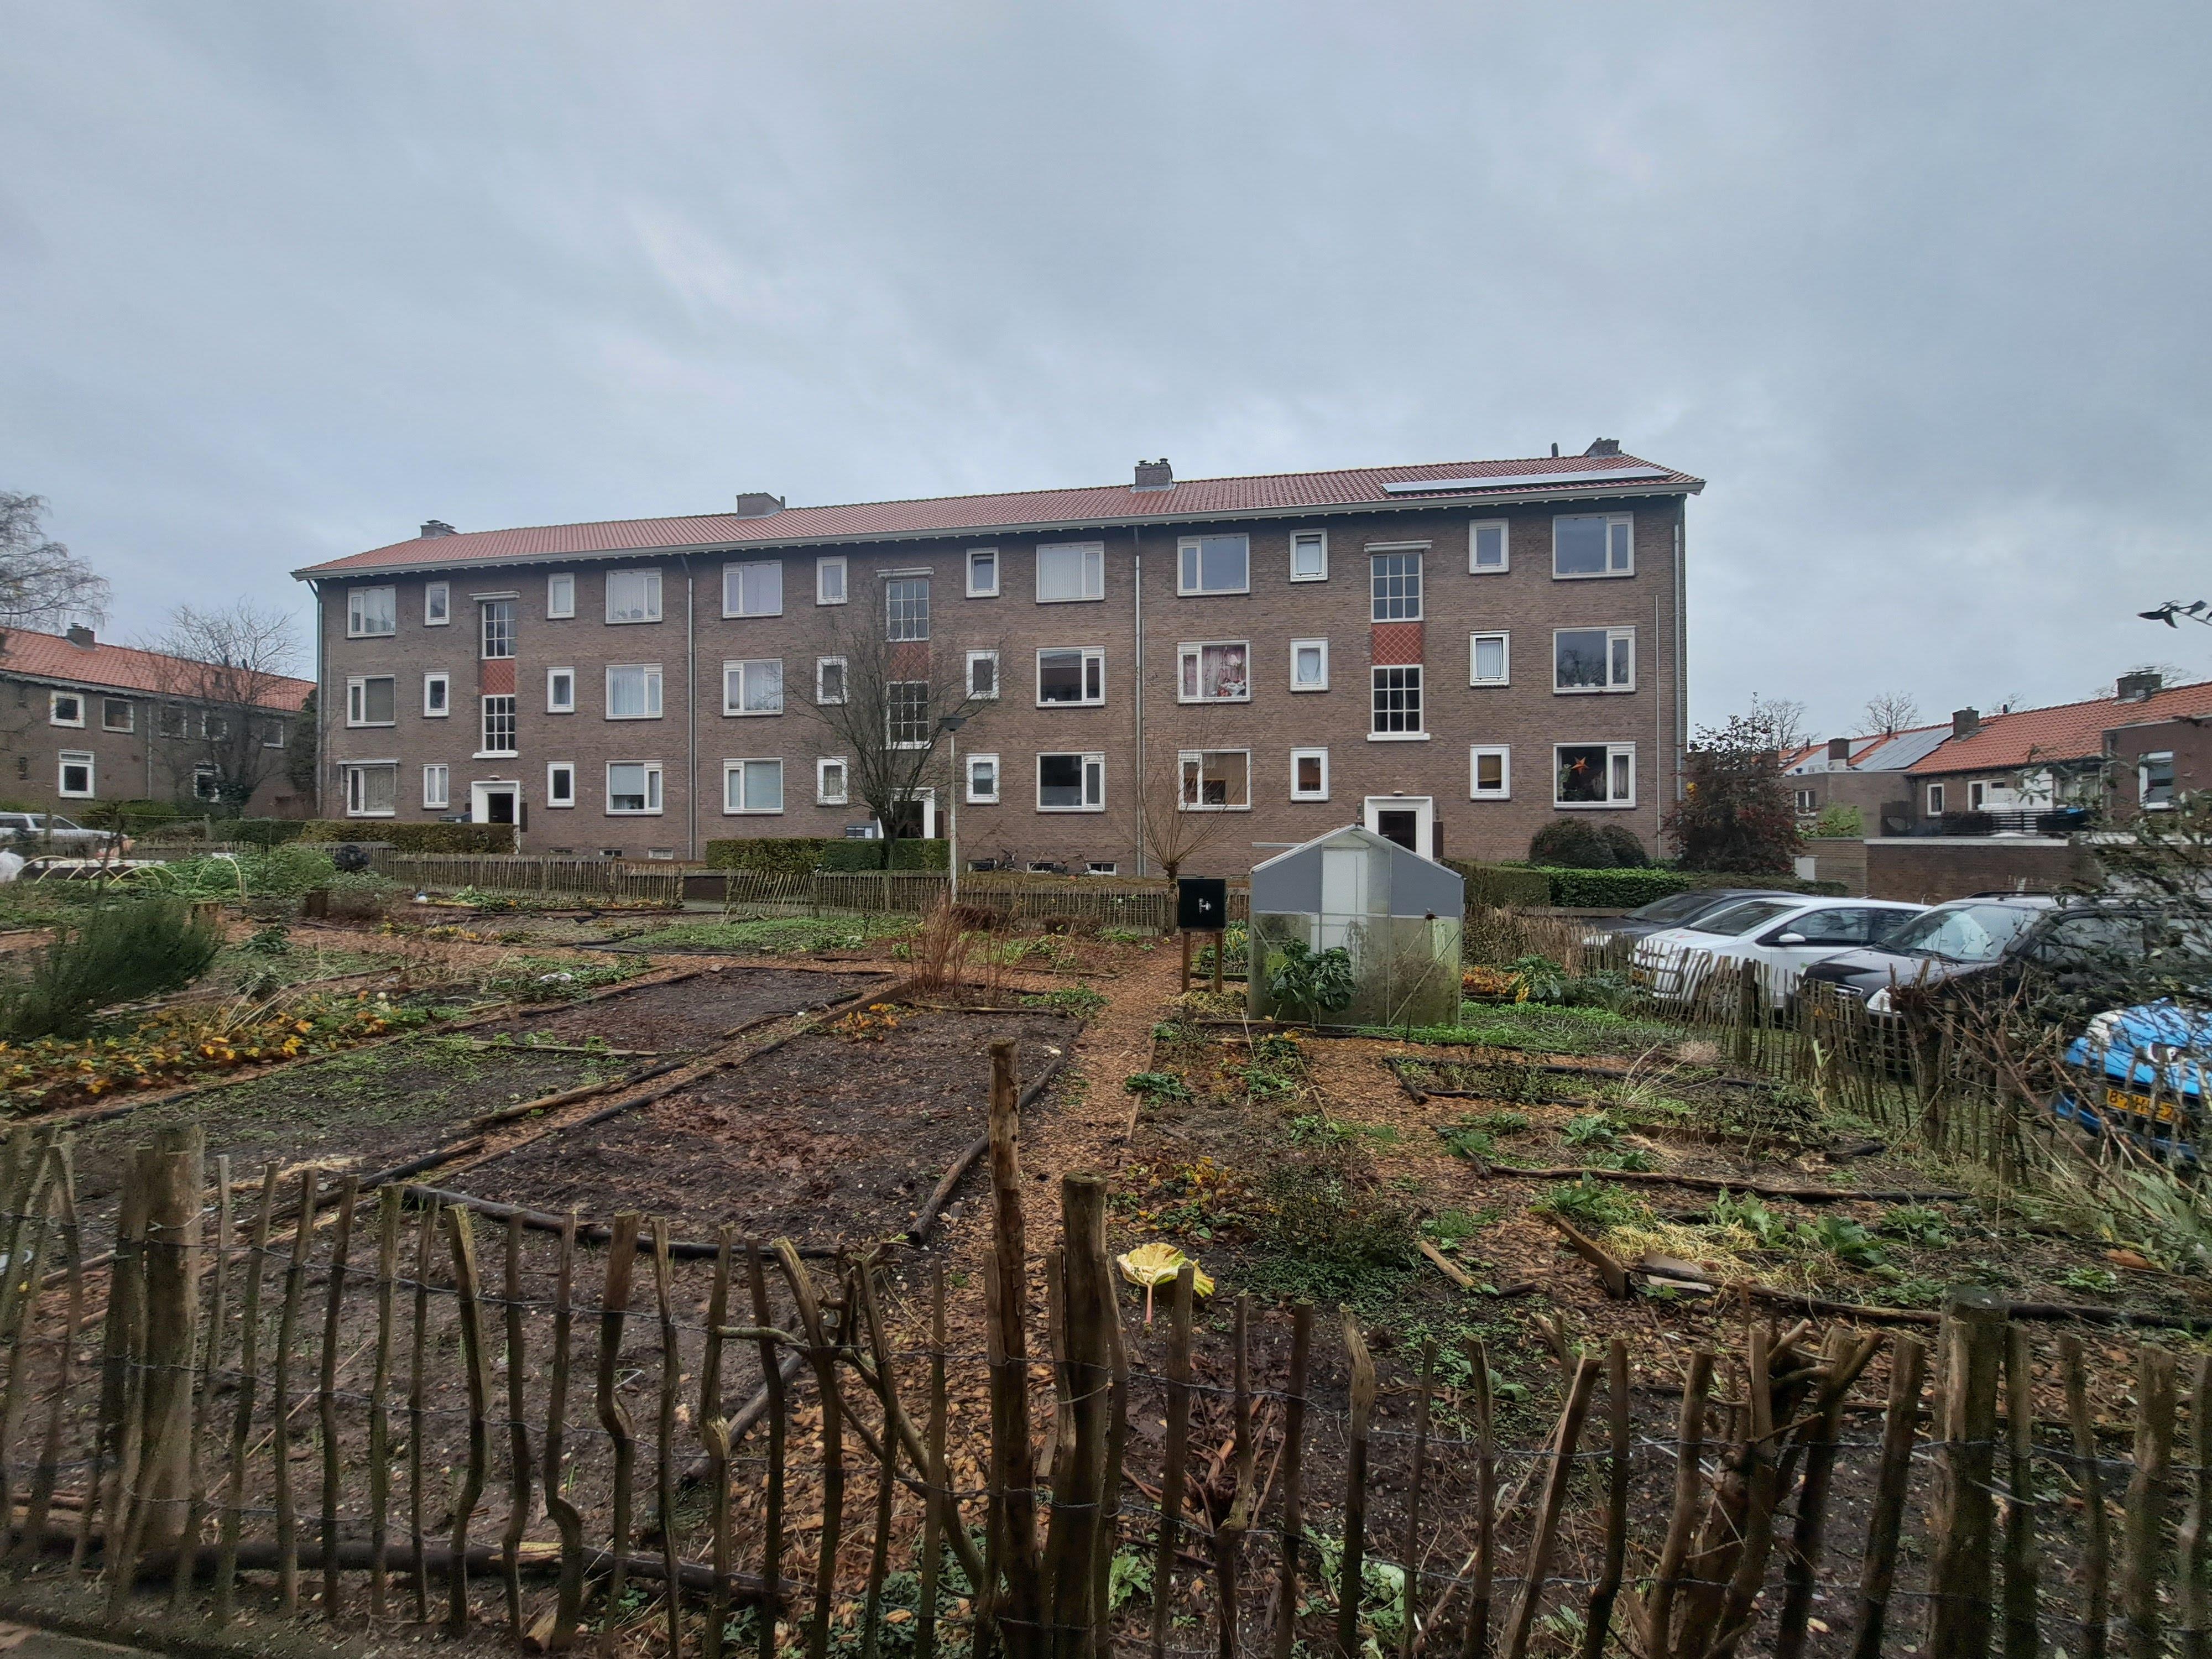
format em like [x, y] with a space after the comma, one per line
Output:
[1076, 1001]
[2094, 1281]
[1156, 1085]
[1917, 1224]
[1537, 979]
[1319, 982]
[1593, 1207]
[1847, 1240]
[1750, 1212]
[1591, 1129]
[117, 952]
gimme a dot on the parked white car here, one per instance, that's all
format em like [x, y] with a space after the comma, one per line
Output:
[1783, 936]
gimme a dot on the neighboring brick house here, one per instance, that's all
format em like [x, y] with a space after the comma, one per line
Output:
[81, 722]
[1453, 655]
[1868, 773]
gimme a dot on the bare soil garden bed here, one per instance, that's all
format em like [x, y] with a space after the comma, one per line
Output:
[684, 1015]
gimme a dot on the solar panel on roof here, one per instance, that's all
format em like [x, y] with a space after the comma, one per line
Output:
[1603, 475]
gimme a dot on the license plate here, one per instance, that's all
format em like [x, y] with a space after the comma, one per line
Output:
[2139, 1105]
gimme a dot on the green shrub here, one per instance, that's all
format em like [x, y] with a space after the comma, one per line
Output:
[1572, 844]
[1599, 890]
[1840, 821]
[907, 854]
[1507, 887]
[411, 837]
[796, 856]
[118, 953]
[1628, 852]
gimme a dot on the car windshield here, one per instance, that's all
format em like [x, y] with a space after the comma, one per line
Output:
[1673, 908]
[1965, 932]
[1740, 919]
[64, 823]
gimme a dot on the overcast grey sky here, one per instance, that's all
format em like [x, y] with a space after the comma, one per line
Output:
[1921, 290]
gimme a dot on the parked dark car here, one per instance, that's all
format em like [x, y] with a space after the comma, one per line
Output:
[1677, 910]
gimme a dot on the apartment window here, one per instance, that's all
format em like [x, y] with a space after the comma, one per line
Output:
[1593, 773]
[633, 595]
[2155, 780]
[633, 787]
[1070, 676]
[561, 595]
[829, 679]
[436, 785]
[272, 735]
[1100, 867]
[116, 715]
[1490, 772]
[1594, 659]
[906, 608]
[1214, 671]
[1215, 564]
[753, 687]
[498, 628]
[171, 721]
[64, 708]
[983, 780]
[983, 674]
[369, 701]
[1309, 775]
[1397, 707]
[754, 589]
[1309, 665]
[498, 726]
[561, 784]
[1808, 801]
[1396, 581]
[1489, 659]
[437, 695]
[906, 713]
[1935, 801]
[75, 780]
[371, 792]
[207, 785]
[1217, 780]
[1593, 544]
[437, 603]
[983, 572]
[829, 580]
[830, 783]
[1067, 574]
[1309, 555]
[559, 691]
[1485, 547]
[634, 691]
[752, 785]
[215, 727]
[371, 612]
[1071, 783]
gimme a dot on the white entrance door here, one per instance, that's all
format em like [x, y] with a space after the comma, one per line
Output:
[495, 802]
[1409, 820]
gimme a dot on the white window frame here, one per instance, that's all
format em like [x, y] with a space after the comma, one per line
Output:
[357, 713]
[1611, 571]
[1613, 636]
[1298, 646]
[1089, 654]
[733, 587]
[560, 596]
[1419, 552]
[844, 689]
[54, 715]
[2143, 764]
[275, 739]
[983, 555]
[655, 799]
[922, 577]
[1297, 755]
[1475, 757]
[1611, 804]
[653, 689]
[823, 796]
[650, 574]
[130, 714]
[1093, 555]
[977, 797]
[437, 605]
[72, 758]
[1317, 538]
[443, 708]
[1193, 652]
[215, 727]
[352, 786]
[1474, 674]
[1187, 546]
[1977, 790]
[967, 683]
[1092, 763]
[555, 771]
[1421, 685]
[553, 705]
[358, 602]
[1187, 756]
[207, 785]
[1475, 529]
[437, 787]
[1935, 799]
[733, 786]
[891, 701]
[823, 568]
[484, 751]
[740, 666]
[486, 610]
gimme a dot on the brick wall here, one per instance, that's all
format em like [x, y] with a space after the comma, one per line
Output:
[131, 761]
[1928, 869]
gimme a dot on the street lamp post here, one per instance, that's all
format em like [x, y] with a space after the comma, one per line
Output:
[951, 724]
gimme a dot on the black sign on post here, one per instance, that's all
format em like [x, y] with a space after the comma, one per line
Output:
[1202, 904]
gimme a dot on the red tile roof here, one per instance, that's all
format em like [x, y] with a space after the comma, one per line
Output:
[112, 668]
[2071, 731]
[1187, 500]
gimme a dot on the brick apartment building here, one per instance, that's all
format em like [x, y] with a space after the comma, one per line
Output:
[83, 722]
[1453, 655]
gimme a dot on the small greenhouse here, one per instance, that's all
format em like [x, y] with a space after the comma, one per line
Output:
[1395, 915]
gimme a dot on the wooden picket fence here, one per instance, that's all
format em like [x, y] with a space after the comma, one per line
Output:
[550, 877]
[346, 1407]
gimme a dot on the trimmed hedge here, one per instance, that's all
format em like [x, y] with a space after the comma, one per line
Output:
[1625, 890]
[1507, 887]
[402, 837]
[795, 855]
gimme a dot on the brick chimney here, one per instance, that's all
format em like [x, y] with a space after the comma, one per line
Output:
[758, 504]
[434, 528]
[2141, 686]
[1964, 722]
[81, 637]
[1839, 751]
[1154, 474]
[1603, 446]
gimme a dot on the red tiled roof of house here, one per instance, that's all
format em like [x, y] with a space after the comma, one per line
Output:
[2070, 731]
[115, 667]
[1186, 500]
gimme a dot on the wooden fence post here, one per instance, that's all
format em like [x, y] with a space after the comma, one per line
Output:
[1355, 1489]
[476, 1362]
[1962, 1515]
[2141, 1539]
[1907, 1363]
[2096, 1528]
[1229, 1536]
[560, 1631]
[249, 1349]
[388, 1203]
[2192, 1543]
[1177, 1448]
[1476, 1645]
[1293, 1455]
[326, 1391]
[1007, 1314]
[1599, 1624]
[614, 1311]
[34, 1539]
[280, 1398]
[1689, 1485]
[1530, 1601]
[2021, 1638]
[1089, 1311]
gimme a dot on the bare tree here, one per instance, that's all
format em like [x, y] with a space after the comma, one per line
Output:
[223, 678]
[1783, 718]
[1888, 712]
[42, 584]
[885, 706]
[1181, 803]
